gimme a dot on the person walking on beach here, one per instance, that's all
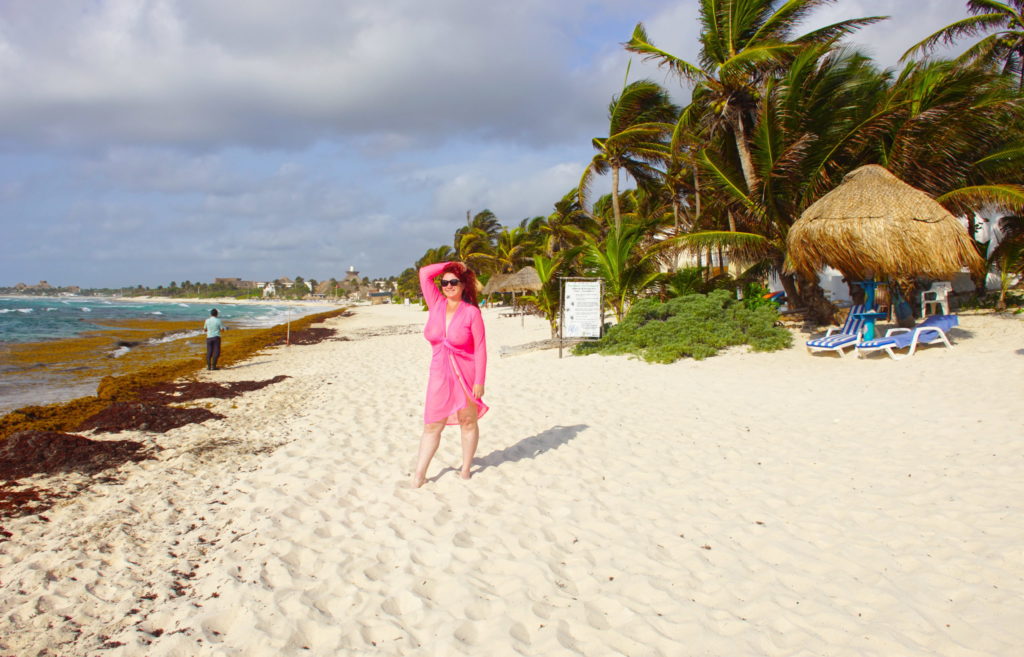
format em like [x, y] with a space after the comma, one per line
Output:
[455, 330]
[213, 328]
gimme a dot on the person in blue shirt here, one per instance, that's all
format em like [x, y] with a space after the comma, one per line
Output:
[213, 328]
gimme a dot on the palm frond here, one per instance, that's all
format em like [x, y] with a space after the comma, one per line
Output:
[1006, 196]
[641, 44]
[965, 27]
[837, 31]
[742, 246]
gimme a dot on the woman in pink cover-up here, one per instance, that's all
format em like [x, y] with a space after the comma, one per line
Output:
[455, 330]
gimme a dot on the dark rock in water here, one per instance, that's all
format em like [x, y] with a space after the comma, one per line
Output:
[134, 416]
[128, 343]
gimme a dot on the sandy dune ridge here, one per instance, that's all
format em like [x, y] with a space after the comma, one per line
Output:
[749, 504]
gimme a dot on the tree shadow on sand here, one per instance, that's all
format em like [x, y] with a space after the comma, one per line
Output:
[530, 447]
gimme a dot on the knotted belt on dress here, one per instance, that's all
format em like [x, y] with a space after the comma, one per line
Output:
[452, 351]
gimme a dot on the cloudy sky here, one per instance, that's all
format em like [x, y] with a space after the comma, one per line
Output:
[145, 141]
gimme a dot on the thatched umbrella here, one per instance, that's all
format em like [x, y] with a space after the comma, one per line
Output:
[875, 226]
[524, 280]
[494, 283]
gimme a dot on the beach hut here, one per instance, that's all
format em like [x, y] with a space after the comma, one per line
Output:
[875, 226]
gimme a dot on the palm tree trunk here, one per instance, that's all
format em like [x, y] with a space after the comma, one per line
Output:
[792, 295]
[696, 193]
[615, 198]
[675, 231]
[743, 149]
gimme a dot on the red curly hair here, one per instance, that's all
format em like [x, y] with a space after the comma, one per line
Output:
[467, 277]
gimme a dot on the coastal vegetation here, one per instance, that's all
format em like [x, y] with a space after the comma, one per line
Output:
[694, 325]
[775, 119]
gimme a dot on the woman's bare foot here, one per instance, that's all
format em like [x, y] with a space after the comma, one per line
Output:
[418, 481]
[466, 474]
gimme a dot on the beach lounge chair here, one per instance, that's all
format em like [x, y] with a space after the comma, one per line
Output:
[839, 338]
[932, 330]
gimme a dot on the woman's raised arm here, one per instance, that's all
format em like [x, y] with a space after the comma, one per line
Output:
[427, 275]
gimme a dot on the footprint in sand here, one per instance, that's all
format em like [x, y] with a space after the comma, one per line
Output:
[403, 605]
[462, 540]
[467, 633]
[520, 633]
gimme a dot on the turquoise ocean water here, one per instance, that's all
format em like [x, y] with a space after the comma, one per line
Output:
[33, 319]
[38, 319]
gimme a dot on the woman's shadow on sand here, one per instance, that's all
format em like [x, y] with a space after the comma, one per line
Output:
[530, 447]
[527, 448]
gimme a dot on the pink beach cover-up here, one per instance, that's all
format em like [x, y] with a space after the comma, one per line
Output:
[460, 353]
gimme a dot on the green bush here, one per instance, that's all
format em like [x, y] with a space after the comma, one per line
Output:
[695, 325]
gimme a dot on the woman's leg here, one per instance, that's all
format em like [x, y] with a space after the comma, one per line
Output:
[428, 445]
[470, 435]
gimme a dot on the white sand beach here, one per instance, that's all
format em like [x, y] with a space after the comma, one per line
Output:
[750, 504]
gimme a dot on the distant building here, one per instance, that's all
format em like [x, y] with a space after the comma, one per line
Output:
[20, 287]
[351, 274]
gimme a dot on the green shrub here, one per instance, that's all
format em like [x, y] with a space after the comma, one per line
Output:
[695, 325]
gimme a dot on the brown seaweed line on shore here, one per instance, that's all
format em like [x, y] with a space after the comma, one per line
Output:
[31, 452]
[67, 416]
[33, 439]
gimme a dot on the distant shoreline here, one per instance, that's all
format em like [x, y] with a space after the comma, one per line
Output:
[189, 300]
[54, 368]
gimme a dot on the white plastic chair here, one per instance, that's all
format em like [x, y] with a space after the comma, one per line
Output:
[937, 295]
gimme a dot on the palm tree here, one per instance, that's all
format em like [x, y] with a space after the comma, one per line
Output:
[475, 242]
[743, 42]
[512, 251]
[547, 299]
[1008, 256]
[1003, 47]
[628, 267]
[957, 137]
[813, 125]
[639, 121]
[443, 253]
[565, 227]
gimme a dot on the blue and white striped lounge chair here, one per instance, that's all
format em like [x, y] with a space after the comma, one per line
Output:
[932, 330]
[839, 338]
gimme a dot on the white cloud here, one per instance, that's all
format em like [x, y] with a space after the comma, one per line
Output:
[197, 72]
[157, 140]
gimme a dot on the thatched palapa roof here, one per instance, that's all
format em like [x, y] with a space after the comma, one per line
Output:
[524, 280]
[874, 225]
[493, 283]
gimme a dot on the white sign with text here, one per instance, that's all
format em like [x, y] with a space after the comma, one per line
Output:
[582, 309]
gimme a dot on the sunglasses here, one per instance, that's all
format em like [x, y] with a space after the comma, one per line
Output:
[445, 282]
